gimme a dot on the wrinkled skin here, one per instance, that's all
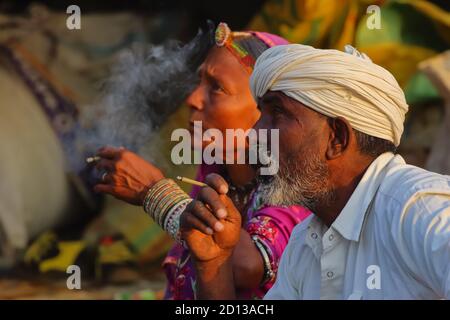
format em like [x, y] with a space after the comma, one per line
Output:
[223, 101]
[304, 134]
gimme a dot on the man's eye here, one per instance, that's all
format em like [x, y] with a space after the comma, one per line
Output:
[277, 110]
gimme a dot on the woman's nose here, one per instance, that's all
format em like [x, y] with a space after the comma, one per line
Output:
[262, 123]
[195, 99]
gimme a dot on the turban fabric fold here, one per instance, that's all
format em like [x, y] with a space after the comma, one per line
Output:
[335, 83]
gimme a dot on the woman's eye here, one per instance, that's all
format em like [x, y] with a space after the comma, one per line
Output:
[218, 88]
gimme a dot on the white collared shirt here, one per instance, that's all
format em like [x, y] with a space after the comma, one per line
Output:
[391, 241]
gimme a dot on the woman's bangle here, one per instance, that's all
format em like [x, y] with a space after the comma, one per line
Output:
[165, 201]
[172, 220]
[269, 274]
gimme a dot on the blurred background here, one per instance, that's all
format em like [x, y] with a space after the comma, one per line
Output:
[52, 82]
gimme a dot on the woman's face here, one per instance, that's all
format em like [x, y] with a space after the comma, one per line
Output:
[223, 99]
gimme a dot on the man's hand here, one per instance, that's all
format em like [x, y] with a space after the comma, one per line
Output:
[211, 224]
[211, 227]
[126, 175]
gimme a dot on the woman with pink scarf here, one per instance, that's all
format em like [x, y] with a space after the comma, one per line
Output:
[222, 100]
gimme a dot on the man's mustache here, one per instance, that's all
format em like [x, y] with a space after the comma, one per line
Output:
[264, 157]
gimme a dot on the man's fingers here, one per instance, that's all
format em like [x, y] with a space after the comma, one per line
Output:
[216, 182]
[105, 164]
[189, 221]
[211, 198]
[199, 210]
[233, 213]
[109, 152]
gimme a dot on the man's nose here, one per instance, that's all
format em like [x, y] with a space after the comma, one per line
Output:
[196, 99]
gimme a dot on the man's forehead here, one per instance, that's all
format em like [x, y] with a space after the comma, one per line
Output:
[271, 96]
[284, 101]
[280, 98]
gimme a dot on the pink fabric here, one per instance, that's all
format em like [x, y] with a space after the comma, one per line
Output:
[270, 39]
[272, 225]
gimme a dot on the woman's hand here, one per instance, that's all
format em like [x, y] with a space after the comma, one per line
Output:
[211, 224]
[126, 175]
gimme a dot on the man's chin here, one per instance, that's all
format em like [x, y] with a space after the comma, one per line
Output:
[274, 191]
[270, 191]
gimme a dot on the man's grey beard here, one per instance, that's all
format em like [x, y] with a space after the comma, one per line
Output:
[300, 182]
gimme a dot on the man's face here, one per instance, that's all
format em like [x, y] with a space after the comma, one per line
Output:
[303, 176]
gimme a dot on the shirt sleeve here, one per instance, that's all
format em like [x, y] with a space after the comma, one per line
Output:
[424, 240]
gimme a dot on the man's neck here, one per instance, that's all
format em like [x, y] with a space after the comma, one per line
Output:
[344, 183]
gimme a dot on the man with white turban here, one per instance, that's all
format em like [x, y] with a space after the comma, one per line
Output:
[380, 229]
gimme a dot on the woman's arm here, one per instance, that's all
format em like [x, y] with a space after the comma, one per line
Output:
[127, 176]
[247, 263]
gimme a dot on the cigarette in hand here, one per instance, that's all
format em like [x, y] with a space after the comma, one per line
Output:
[93, 159]
[192, 181]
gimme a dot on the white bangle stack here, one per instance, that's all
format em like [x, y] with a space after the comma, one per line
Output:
[165, 202]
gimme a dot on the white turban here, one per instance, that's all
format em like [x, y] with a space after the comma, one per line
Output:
[335, 83]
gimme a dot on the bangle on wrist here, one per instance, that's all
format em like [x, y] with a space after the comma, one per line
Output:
[269, 274]
[165, 201]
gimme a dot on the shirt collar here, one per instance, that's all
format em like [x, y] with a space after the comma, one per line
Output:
[350, 221]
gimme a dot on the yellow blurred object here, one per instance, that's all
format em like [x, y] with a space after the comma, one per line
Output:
[346, 33]
[301, 21]
[68, 252]
[429, 9]
[116, 252]
[39, 248]
[410, 31]
[400, 59]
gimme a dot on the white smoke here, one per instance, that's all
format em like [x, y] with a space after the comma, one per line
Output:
[145, 86]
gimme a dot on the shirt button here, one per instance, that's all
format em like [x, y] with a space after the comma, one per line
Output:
[331, 237]
[314, 235]
[330, 274]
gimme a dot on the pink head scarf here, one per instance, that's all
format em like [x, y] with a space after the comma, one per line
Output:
[224, 37]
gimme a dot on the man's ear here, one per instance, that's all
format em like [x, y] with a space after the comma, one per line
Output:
[340, 137]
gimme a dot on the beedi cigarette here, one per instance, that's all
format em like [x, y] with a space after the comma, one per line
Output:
[93, 159]
[192, 181]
